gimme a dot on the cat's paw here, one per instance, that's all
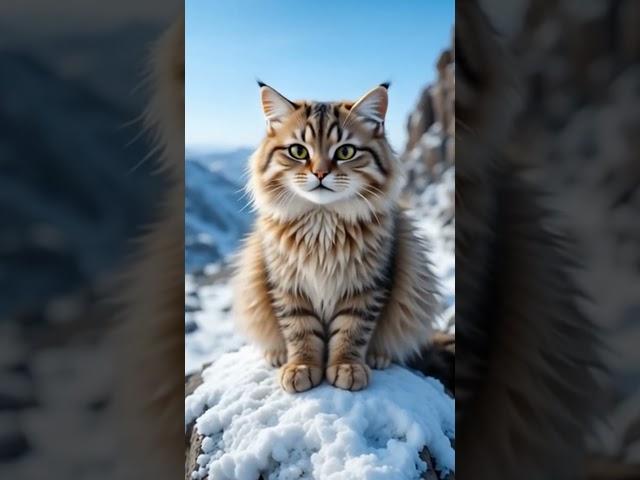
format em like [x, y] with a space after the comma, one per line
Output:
[276, 357]
[299, 378]
[348, 376]
[379, 361]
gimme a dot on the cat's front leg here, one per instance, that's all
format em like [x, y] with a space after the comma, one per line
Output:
[304, 338]
[350, 331]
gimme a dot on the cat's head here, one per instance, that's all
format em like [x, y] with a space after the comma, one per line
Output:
[331, 155]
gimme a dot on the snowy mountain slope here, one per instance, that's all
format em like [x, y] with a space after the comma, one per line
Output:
[433, 211]
[216, 210]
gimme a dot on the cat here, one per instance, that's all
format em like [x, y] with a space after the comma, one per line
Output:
[333, 280]
[526, 390]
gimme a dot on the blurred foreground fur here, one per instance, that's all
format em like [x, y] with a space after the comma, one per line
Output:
[150, 338]
[526, 389]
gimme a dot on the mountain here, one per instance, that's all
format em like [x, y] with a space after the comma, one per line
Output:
[216, 211]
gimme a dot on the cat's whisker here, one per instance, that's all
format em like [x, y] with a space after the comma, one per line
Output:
[371, 209]
[372, 192]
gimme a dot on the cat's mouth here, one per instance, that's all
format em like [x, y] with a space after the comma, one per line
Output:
[321, 187]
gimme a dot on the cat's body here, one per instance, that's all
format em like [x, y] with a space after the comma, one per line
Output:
[333, 276]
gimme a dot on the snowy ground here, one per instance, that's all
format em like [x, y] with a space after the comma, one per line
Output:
[253, 427]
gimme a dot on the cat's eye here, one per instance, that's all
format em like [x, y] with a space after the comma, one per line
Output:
[298, 152]
[345, 152]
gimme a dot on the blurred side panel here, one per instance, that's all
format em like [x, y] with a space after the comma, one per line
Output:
[547, 239]
[83, 193]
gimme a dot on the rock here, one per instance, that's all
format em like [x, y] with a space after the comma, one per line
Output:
[432, 473]
[192, 452]
[431, 127]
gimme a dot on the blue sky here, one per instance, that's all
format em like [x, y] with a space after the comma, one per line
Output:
[320, 50]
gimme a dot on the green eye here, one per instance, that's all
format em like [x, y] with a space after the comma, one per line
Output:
[298, 152]
[345, 152]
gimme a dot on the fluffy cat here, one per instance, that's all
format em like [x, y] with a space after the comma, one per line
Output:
[333, 280]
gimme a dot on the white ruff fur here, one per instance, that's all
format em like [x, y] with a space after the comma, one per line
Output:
[332, 258]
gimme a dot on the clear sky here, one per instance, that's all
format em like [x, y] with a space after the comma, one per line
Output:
[319, 50]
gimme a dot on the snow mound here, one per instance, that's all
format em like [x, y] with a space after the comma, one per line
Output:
[252, 427]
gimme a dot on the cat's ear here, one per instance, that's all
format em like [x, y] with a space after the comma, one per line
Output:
[372, 107]
[274, 105]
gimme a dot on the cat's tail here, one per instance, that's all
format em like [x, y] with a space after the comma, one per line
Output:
[438, 359]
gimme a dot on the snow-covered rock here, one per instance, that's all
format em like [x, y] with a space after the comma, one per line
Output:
[250, 427]
[434, 214]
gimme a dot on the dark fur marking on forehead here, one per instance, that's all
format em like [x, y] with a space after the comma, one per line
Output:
[320, 110]
[376, 159]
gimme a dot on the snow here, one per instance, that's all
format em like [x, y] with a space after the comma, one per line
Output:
[433, 214]
[253, 427]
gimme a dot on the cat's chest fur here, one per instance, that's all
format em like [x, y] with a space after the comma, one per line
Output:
[325, 256]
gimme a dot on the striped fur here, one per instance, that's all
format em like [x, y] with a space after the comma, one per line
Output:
[331, 282]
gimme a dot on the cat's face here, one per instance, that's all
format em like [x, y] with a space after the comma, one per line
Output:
[324, 155]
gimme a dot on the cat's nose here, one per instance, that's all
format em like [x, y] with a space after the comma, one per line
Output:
[320, 173]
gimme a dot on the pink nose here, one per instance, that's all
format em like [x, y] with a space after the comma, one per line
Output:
[320, 174]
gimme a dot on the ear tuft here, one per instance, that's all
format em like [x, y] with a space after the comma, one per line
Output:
[372, 105]
[386, 85]
[274, 105]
